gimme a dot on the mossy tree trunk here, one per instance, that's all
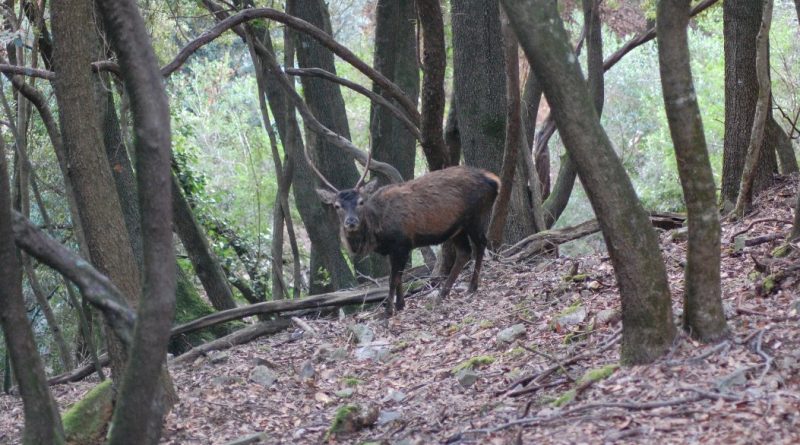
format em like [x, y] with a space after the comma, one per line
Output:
[648, 329]
[703, 316]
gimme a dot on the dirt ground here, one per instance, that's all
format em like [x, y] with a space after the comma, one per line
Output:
[563, 348]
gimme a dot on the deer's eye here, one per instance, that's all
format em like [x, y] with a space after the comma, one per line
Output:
[361, 202]
[337, 206]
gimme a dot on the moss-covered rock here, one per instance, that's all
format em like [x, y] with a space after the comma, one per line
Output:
[86, 421]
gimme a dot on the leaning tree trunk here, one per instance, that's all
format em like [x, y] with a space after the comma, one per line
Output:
[325, 100]
[479, 87]
[434, 60]
[632, 244]
[703, 316]
[42, 422]
[755, 148]
[396, 58]
[142, 400]
[775, 136]
[741, 21]
[98, 204]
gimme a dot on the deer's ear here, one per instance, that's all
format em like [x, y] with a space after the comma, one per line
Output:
[326, 196]
[370, 187]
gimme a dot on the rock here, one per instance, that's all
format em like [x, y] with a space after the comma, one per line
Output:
[385, 417]
[224, 380]
[251, 439]
[509, 334]
[376, 351]
[219, 357]
[344, 393]
[331, 353]
[362, 333]
[572, 316]
[607, 316]
[736, 378]
[467, 377]
[263, 376]
[307, 370]
[397, 396]
[680, 234]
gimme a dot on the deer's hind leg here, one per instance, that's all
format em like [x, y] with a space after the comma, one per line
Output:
[461, 243]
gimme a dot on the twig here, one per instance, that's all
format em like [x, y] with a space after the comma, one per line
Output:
[767, 358]
[753, 223]
[725, 345]
[541, 374]
[552, 359]
[305, 326]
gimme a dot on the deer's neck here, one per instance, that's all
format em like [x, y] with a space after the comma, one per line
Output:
[361, 241]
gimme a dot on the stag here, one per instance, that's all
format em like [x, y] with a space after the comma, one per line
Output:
[450, 204]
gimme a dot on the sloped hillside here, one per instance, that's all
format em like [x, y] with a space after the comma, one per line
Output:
[530, 358]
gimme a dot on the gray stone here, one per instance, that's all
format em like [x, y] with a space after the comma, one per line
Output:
[251, 439]
[344, 393]
[362, 333]
[679, 234]
[397, 396]
[385, 417]
[606, 316]
[376, 351]
[219, 357]
[572, 317]
[736, 378]
[467, 377]
[307, 370]
[509, 334]
[330, 353]
[224, 380]
[263, 376]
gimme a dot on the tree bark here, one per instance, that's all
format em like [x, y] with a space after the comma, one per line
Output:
[98, 204]
[648, 329]
[42, 421]
[755, 147]
[142, 400]
[434, 61]
[325, 101]
[513, 135]
[741, 21]
[479, 88]
[703, 316]
[775, 136]
[205, 263]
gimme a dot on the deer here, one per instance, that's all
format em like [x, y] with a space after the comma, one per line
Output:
[449, 204]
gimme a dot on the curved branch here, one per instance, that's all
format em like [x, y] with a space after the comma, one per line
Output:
[377, 98]
[301, 25]
[26, 71]
[96, 287]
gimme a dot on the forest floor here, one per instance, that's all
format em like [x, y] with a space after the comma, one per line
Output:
[563, 329]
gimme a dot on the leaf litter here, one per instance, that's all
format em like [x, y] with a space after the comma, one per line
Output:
[743, 390]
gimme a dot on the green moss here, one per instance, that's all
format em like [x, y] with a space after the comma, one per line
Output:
[769, 284]
[344, 416]
[86, 421]
[351, 381]
[577, 278]
[486, 324]
[597, 374]
[565, 398]
[474, 362]
[781, 251]
[516, 352]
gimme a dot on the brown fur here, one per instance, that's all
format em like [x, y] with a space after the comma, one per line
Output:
[454, 203]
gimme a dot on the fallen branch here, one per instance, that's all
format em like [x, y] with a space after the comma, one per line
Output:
[540, 242]
[237, 338]
[79, 373]
[753, 223]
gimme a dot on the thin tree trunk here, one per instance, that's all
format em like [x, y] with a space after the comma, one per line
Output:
[513, 136]
[648, 329]
[703, 316]
[142, 400]
[745, 196]
[776, 137]
[42, 421]
[434, 60]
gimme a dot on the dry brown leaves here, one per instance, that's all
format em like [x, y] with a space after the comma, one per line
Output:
[744, 391]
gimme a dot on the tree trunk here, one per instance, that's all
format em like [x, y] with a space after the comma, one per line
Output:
[434, 60]
[648, 329]
[513, 135]
[205, 263]
[325, 100]
[142, 400]
[42, 422]
[479, 87]
[98, 204]
[396, 58]
[741, 20]
[703, 316]
[755, 147]
[776, 137]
